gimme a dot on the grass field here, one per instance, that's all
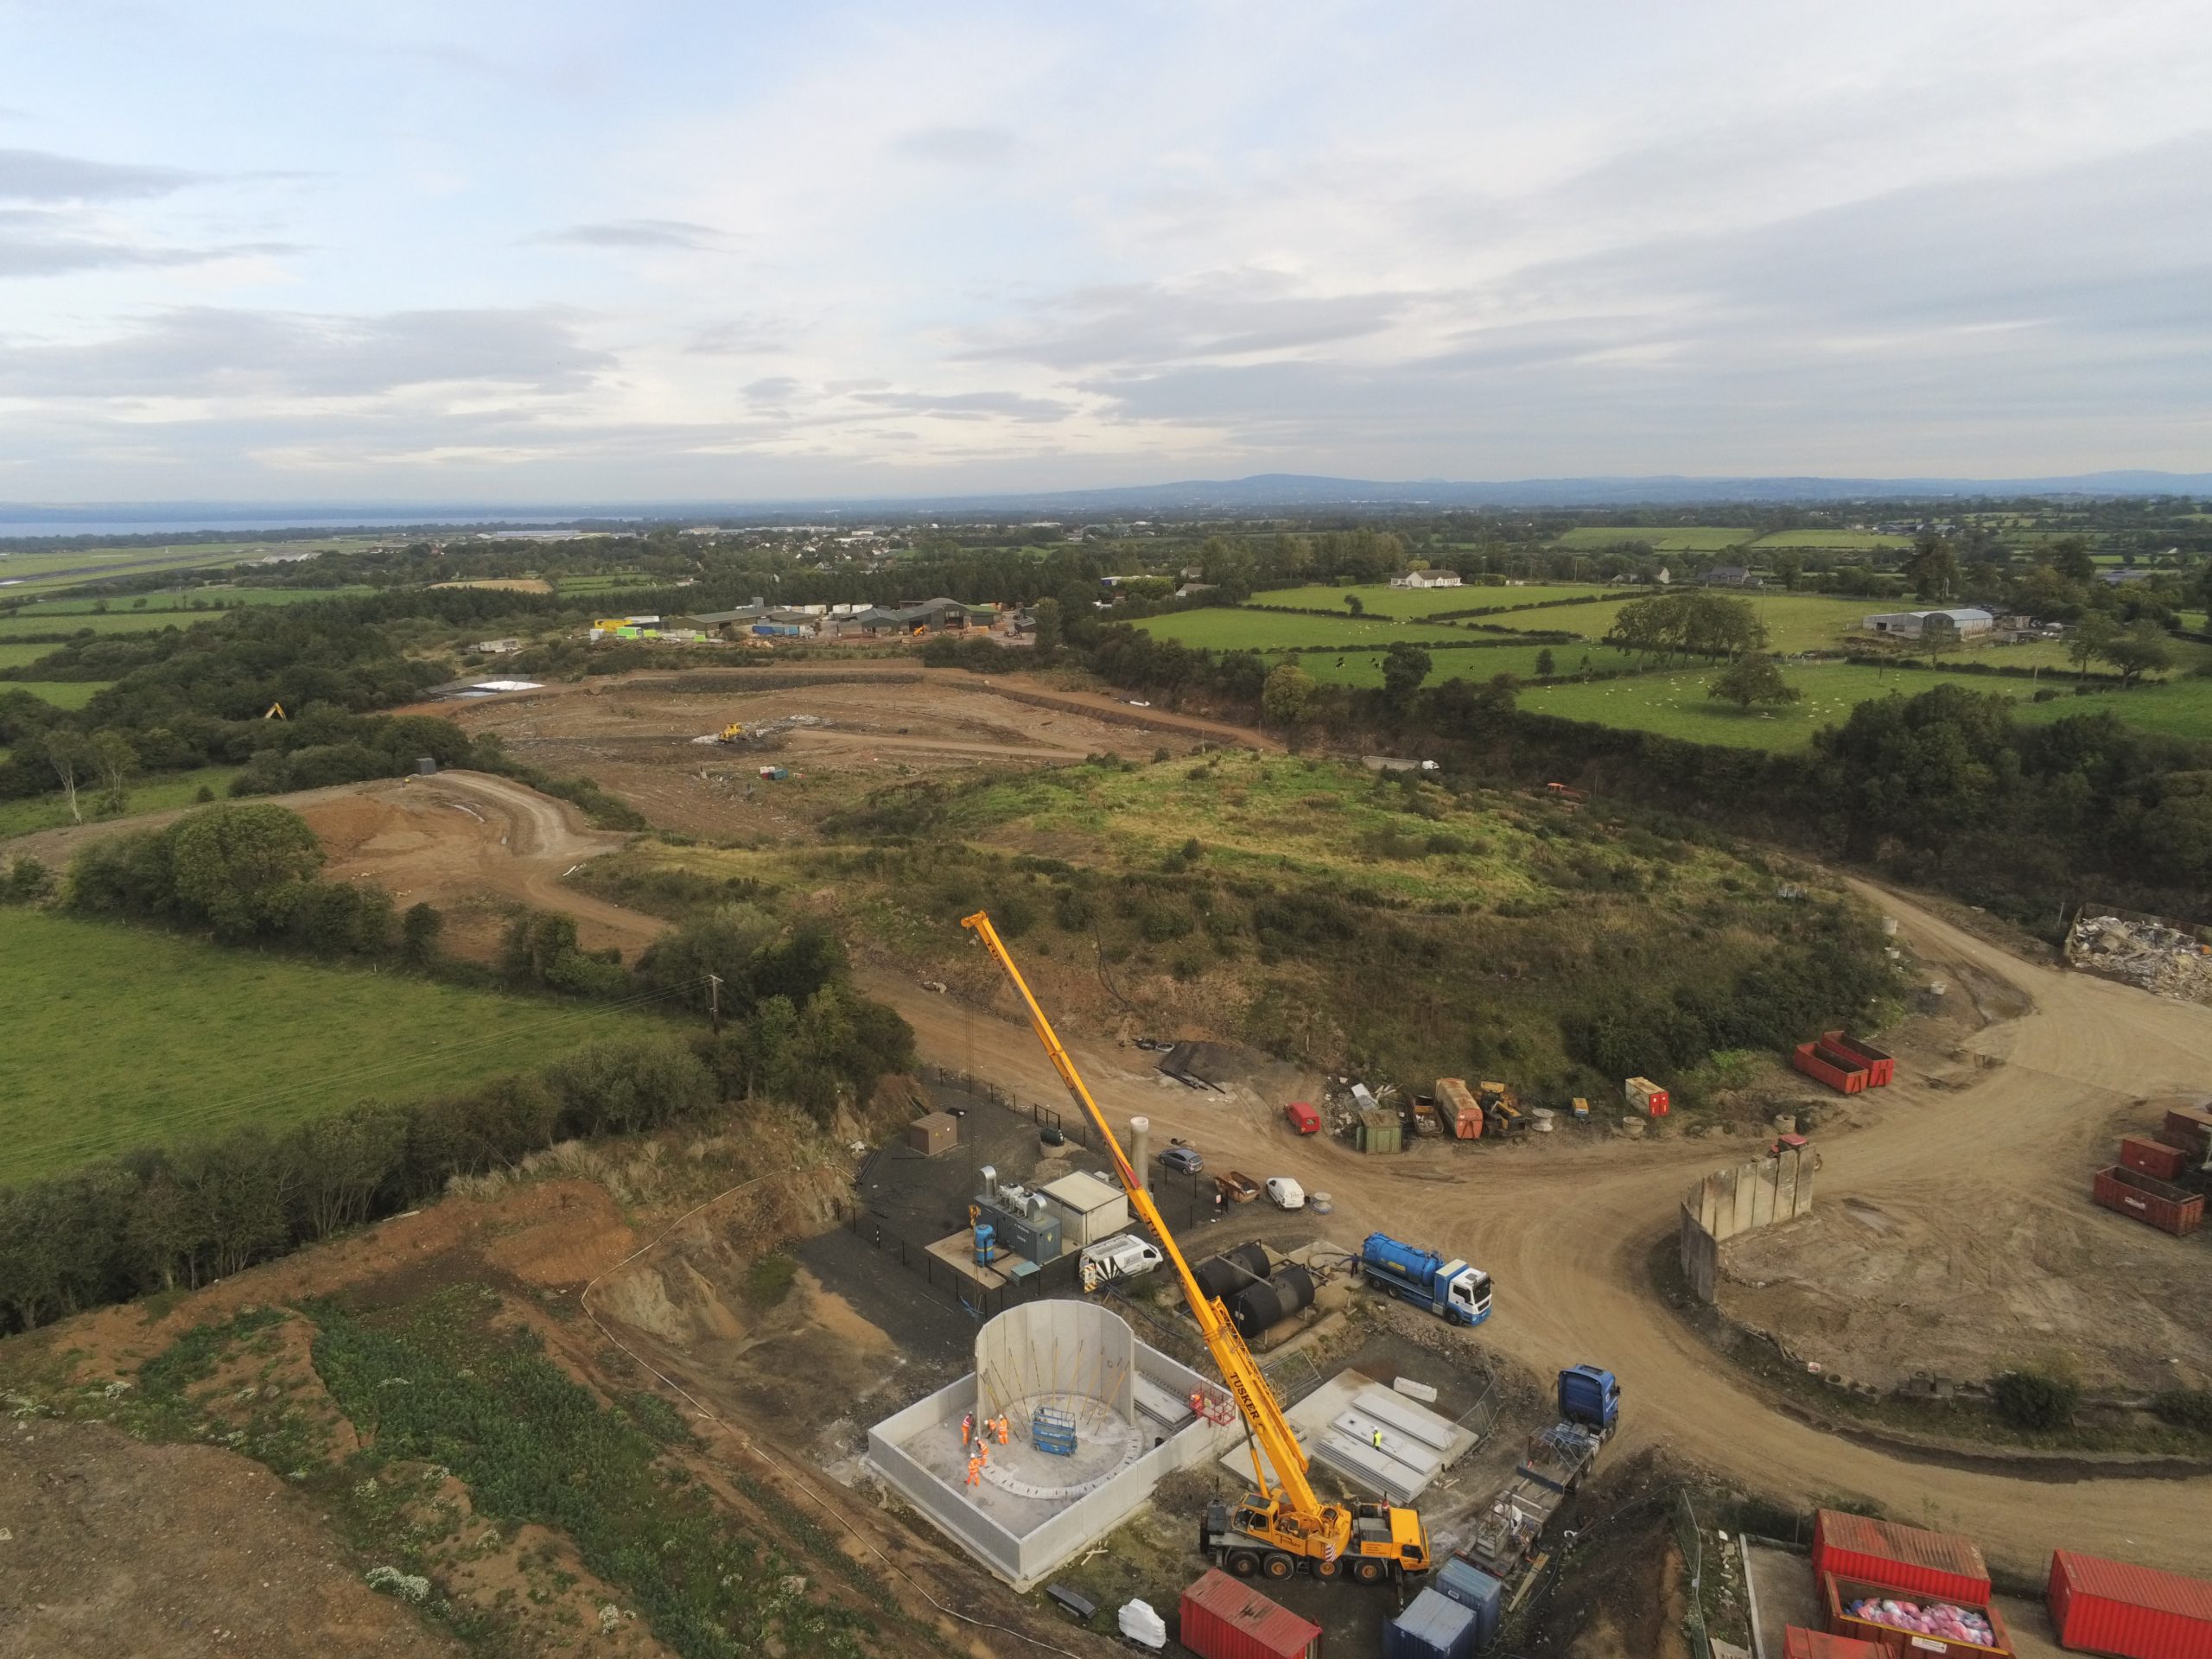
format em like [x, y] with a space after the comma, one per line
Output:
[122, 1038]
[30, 622]
[1836, 540]
[1795, 621]
[1365, 668]
[62, 694]
[211, 597]
[28, 571]
[604, 583]
[1223, 630]
[1667, 538]
[158, 793]
[1379, 598]
[24, 656]
[1675, 704]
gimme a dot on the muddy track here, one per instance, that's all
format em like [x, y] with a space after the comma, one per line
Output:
[1566, 1227]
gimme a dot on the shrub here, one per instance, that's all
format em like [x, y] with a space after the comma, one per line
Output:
[2036, 1400]
[2185, 1408]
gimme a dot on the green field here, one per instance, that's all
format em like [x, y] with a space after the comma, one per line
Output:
[603, 584]
[1365, 668]
[29, 571]
[1836, 540]
[46, 622]
[197, 602]
[1663, 538]
[1379, 598]
[1675, 704]
[1795, 621]
[120, 1037]
[158, 793]
[1224, 629]
[62, 694]
[24, 656]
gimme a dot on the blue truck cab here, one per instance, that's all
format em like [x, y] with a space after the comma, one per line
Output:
[1589, 1396]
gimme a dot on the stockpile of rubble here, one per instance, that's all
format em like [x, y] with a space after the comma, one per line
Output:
[2151, 954]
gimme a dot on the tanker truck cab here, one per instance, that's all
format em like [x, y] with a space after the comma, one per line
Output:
[1469, 1297]
[1451, 1290]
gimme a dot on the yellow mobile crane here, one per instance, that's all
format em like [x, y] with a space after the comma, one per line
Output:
[1284, 1527]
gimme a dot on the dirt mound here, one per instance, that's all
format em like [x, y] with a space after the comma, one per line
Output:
[121, 1549]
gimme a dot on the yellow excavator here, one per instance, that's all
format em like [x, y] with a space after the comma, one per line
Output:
[1284, 1527]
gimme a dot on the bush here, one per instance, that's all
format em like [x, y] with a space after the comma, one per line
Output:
[2036, 1400]
[2185, 1408]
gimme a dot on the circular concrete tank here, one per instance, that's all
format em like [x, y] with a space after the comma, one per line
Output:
[1058, 1364]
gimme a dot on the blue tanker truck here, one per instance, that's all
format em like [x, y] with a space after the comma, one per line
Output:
[1451, 1290]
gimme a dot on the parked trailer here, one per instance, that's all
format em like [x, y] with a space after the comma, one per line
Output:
[2133, 1613]
[2146, 1198]
[1451, 1290]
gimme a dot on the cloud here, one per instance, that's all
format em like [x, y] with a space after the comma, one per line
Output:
[1242, 316]
[36, 242]
[956, 146]
[636, 233]
[41, 176]
[205, 352]
[968, 405]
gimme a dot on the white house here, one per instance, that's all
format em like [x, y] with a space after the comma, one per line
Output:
[1425, 579]
[1911, 625]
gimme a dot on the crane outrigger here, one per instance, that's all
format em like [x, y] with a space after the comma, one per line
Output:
[1284, 1527]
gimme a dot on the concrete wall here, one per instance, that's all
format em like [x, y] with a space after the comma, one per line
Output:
[1056, 1347]
[1730, 1201]
[1025, 1560]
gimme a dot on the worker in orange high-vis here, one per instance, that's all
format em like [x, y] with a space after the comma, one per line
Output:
[1005, 1429]
[966, 1430]
[974, 1471]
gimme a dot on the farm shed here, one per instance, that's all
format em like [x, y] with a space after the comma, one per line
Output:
[1912, 625]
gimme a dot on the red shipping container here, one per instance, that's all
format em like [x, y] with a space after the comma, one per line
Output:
[1798, 1642]
[2136, 1612]
[2140, 1151]
[1940, 1564]
[2148, 1199]
[1222, 1618]
[2189, 1127]
[1809, 1060]
[1838, 1592]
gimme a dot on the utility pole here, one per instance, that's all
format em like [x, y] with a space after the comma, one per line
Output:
[715, 1002]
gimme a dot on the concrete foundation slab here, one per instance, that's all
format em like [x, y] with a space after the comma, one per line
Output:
[1352, 1454]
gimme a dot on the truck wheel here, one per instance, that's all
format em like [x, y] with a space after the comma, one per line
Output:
[1277, 1567]
[1327, 1568]
[1242, 1564]
[1367, 1570]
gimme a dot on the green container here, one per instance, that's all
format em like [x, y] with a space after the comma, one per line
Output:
[1380, 1131]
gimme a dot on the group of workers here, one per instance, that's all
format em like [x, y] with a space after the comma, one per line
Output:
[977, 1441]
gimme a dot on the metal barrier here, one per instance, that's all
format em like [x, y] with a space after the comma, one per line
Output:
[1691, 1539]
[979, 1301]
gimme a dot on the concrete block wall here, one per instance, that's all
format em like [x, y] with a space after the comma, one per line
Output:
[1732, 1201]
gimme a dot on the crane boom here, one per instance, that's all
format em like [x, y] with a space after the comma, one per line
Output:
[1287, 1517]
[1263, 1411]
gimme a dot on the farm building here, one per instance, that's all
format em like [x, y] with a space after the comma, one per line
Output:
[1731, 575]
[1911, 625]
[1425, 579]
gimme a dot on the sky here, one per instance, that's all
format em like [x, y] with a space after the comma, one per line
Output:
[625, 252]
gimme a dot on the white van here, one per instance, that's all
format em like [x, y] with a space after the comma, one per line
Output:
[1284, 1193]
[1123, 1257]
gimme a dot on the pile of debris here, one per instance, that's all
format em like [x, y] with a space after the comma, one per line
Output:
[2153, 955]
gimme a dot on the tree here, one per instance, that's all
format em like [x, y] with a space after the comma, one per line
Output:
[1354, 604]
[1404, 667]
[2142, 649]
[1939, 633]
[1547, 665]
[243, 868]
[113, 761]
[1932, 569]
[2071, 557]
[1752, 678]
[418, 933]
[1051, 625]
[2090, 638]
[71, 759]
[1284, 698]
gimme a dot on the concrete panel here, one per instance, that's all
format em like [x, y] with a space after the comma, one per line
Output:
[1369, 1469]
[1397, 1412]
[1363, 1430]
[1701, 1255]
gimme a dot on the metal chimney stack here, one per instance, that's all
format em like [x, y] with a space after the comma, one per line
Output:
[1140, 1150]
[991, 1182]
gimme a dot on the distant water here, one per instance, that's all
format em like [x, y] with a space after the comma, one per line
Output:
[270, 523]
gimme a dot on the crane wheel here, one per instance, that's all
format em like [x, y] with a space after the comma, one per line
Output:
[1326, 1569]
[1277, 1567]
[1242, 1564]
[1367, 1570]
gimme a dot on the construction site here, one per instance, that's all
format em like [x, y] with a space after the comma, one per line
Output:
[1436, 1338]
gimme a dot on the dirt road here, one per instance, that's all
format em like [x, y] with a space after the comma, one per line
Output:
[1566, 1229]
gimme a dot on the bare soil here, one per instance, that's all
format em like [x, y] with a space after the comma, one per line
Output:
[117, 1549]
